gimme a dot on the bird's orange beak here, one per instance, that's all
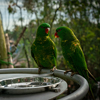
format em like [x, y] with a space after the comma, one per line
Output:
[47, 30]
[56, 35]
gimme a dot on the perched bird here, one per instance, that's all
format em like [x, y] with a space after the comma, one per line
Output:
[73, 53]
[43, 49]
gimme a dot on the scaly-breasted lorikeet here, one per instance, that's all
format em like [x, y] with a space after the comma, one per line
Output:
[43, 49]
[73, 53]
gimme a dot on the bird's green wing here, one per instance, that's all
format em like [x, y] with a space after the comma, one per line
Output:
[77, 61]
[33, 52]
[54, 50]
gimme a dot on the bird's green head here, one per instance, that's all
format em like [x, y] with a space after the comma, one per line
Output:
[43, 29]
[64, 33]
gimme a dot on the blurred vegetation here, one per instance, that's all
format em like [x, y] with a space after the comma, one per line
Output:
[82, 16]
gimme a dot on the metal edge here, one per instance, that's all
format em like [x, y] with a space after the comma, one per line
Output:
[80, 92]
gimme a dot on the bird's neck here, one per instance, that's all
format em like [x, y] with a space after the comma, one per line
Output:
[41, 39]
[69, 40]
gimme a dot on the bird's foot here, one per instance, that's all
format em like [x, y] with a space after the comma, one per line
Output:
[69, 70]
[73, 73]
[39, 70]
[54, 68]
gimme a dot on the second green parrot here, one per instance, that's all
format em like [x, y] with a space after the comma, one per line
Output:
[73, 53]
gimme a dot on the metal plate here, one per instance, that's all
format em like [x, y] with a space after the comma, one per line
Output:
[24, 85]
[47, 95]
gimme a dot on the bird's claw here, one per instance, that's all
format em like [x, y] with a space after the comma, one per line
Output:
[54, 68]
[73, 73]
[39, 70]
[67, 71]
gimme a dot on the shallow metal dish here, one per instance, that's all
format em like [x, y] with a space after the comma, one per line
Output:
[28, 84]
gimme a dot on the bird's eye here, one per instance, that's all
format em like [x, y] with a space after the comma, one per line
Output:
[42, 27]
[59, 30]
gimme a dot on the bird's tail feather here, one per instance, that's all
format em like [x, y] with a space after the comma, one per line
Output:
[85, 74]
[92, 76]
[91, 93]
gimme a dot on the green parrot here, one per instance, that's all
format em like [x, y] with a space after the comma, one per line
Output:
[73, 53]
[43, 49]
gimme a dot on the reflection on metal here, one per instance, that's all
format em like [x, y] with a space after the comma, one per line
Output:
[77, 95]
[22, 85]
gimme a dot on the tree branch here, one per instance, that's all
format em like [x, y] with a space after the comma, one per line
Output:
[8, 51]
[55, 15]
[21, 34]
[37, 17]
[26, 54]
